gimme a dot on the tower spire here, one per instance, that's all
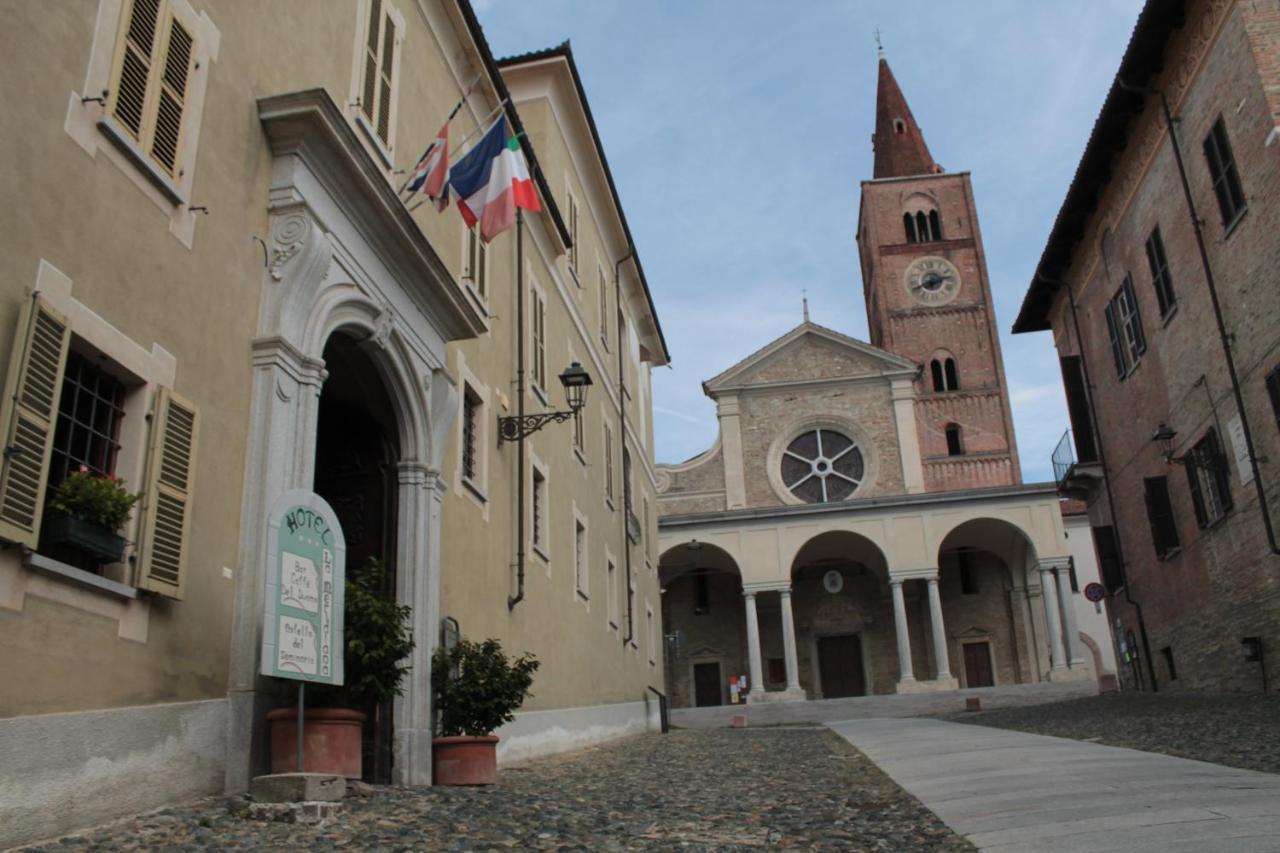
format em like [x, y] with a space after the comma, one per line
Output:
[899, 145]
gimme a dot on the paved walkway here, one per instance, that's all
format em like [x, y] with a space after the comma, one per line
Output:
[1010, 791]
[886, 705]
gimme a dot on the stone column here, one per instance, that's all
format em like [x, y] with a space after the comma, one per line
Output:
[756, 673]
[789, 642]
[904, 637]
[939, 632]
[1057, 657]
[1074, 658]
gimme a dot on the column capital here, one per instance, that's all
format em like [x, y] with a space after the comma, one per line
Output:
[767, 586]
[913, 574]
[1048, 564]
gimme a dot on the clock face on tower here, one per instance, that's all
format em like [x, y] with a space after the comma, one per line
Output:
[932, 281]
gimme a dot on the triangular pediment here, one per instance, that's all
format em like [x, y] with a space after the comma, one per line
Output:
[807, 353]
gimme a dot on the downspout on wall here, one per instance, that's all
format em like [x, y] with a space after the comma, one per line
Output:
[622, 443]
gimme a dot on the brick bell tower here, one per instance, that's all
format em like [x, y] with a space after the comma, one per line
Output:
[924, 277]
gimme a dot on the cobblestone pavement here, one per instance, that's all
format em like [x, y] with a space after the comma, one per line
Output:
[1235, 729]
[691, 790]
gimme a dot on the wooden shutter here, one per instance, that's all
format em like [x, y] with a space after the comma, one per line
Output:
[367, 99]
[1134, 320]
[162, 553]
[137, 51]
[384, 81]
[176, 71]
[33, 389]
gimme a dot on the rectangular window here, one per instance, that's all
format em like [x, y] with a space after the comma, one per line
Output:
[1104, 542]
[90, 413]
[580, 557]
[1222, 171]
[1161, 280]
[1078, 408]
[477, 263]
[1124, 326]
[608, 463]
[470, 420]
[571, 214]
[538, 321]
[611, 590]
[1273, 391]
[154, 64]
[1164, 529]
[538, 511]
[376, 96]
[1208, 479]
[968, 577]
[604, 307]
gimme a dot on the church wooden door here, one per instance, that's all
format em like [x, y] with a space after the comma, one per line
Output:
[840, 666]
[706, 684]
[977, 665]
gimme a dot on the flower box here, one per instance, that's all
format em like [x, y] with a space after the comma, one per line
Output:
[92, 539]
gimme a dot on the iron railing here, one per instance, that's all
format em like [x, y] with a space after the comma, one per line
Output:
[1064, 457]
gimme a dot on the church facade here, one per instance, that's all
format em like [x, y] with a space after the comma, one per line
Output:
[860, 525]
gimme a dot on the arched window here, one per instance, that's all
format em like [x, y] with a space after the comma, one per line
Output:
[899, 126]
[954, 446]
[935, 225]
[952, 377]
[909, 223]
[922, 226]
[939, 382]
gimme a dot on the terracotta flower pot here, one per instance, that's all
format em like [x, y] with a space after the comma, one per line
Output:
[464, 760]
[331, 741]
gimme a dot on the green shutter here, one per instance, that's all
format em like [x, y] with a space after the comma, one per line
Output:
[162, 552]
[31, 405]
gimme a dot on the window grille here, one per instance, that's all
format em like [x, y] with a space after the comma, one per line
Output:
[537, 504]
[89, 416]
[470, 407]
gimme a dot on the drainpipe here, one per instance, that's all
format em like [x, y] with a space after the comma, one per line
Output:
[513, 600]
[622, 443]
[1223, 336]
[1106, 478]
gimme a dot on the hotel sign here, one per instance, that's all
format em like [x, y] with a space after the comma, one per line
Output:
[306, 560]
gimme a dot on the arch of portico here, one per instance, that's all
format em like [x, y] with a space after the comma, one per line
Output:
[705, 623]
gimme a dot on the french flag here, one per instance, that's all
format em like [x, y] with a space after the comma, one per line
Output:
[492, 181]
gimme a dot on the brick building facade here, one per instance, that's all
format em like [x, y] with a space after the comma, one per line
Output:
[1158, 284]
[864, 499]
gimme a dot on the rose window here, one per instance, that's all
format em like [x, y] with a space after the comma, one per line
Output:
[822, 466]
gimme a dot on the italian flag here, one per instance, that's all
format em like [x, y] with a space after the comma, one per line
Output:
[499, 184]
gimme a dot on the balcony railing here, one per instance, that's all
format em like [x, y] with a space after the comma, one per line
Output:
[1064, 457]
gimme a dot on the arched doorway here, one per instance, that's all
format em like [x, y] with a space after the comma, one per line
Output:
[843, 617]
[356, 472]
[983, 569]
[705, 623]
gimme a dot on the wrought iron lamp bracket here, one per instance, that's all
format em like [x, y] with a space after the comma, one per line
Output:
[516, 427]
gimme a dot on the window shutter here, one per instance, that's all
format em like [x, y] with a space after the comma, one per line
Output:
[1193, 484]
[1221, 470]
[162, 554]
[1117, 351]
[1134, 319]
[384, 81]
[167, 138]
[34, 386]
[371, 59]
[135, 65]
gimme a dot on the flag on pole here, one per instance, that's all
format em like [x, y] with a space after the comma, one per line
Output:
[432, 172]
[491, 181]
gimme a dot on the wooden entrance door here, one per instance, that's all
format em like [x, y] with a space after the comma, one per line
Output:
[840, 666]
[706, 684]
[977, 665]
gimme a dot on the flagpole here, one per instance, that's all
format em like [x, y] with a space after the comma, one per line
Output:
[483, 126]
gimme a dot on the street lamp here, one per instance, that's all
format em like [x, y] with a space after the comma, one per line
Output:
[1164, 434]
[575, 380]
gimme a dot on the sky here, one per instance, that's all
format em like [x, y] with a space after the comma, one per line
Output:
[738, 131]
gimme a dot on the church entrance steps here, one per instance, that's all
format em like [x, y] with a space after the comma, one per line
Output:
[886, 705]
[1011, 791]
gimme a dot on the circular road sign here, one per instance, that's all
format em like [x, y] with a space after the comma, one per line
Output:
[1095, 592]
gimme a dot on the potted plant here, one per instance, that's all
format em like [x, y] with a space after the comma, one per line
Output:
[477, 689]
[378, 642]
[88, 511]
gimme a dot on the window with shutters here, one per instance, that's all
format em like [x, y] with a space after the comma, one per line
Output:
[608, 465]
[1164, 528]
[538, 511]
[571, 217]
[475, 265]
[378, 59]
[1208, 479]
[1222, 171]
[538, 342]
[1124, 327]
[77, 409]
[602, 292]
[1161, 280]
[149, 92]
